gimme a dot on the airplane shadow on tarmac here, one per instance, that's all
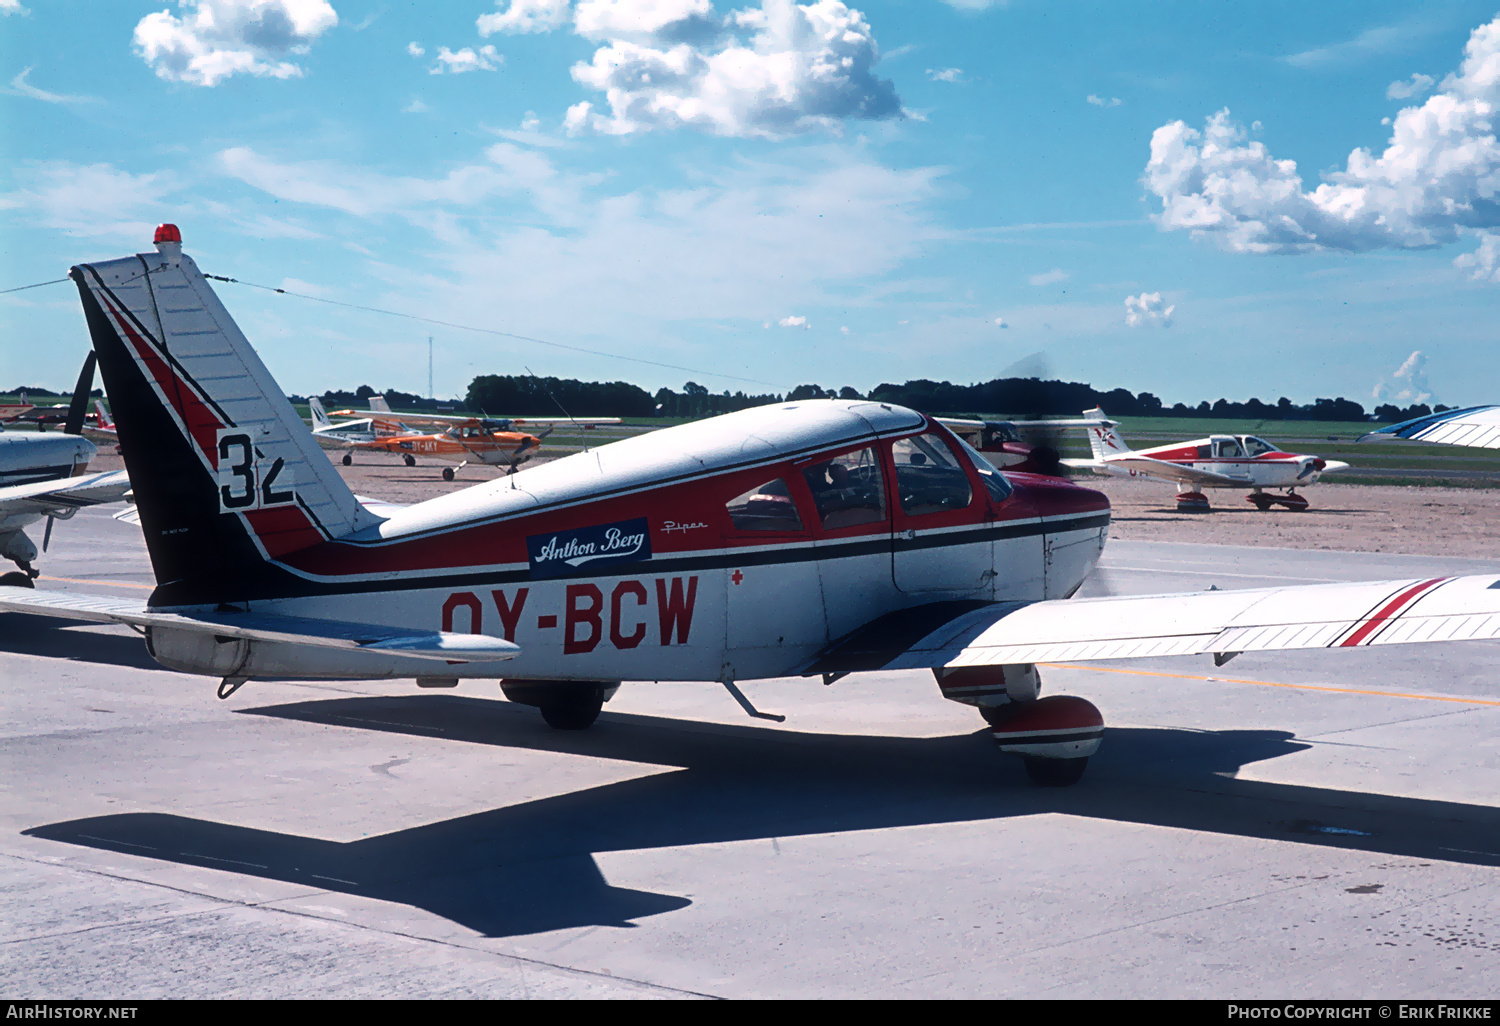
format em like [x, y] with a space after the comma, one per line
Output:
[529, 867]
[24, 634]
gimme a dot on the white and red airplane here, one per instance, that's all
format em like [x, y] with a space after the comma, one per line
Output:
[1218, 461]
[815, 538]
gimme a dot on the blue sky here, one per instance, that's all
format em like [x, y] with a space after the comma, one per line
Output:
[778, 194]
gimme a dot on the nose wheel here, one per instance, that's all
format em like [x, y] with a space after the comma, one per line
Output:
[348, 460]
[409, 459]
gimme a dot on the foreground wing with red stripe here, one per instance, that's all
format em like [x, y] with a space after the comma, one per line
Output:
[1318, 616]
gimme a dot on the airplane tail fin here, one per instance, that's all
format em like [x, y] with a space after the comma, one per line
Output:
[104, 419]
[226, 475]
[379, 405]
[319, 415]
[1104, 440]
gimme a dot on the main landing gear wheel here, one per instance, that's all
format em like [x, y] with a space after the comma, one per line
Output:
[16, 579]
[447, 473]
[1262, 501]
[565, 705]
[1054, 736]
[409, 459]
[1193, 502]
[348, 460]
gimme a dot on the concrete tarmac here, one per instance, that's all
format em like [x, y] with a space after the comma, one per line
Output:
[1316, 824]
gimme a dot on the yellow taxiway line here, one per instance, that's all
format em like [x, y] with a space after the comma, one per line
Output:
[1269, 684]
[107, 584]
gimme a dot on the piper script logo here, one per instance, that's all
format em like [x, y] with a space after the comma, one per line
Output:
[588, 548]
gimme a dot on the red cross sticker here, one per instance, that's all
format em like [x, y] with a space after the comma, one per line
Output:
[737, 577]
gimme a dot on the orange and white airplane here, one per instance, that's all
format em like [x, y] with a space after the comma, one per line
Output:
[10, 411]
[816, 539]
[464, 439]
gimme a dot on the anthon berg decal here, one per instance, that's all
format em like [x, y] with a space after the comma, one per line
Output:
[587, 549]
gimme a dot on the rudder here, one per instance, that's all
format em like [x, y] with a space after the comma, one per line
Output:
[226, 475]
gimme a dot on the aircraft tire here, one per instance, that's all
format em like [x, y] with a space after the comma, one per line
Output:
[571, 708]
[1262, 504]
[348, 460]
[16, 579]
[409, 460]
[1054, 772]
[447, 473]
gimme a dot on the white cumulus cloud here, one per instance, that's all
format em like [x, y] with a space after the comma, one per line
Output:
[945, 74]
[1000, 322]
[1406, 88]
[215, 39]
[1438, 176]
[1147, 310]
[524, 16]
[768, 71]
[9, 7]
[793, 322]
[415, 49]
[468, 59]
[1407, 384]
[1099, 101]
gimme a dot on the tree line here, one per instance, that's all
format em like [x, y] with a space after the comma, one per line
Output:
[529, 396]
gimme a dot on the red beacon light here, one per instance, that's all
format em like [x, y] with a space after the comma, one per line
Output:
[167, 233]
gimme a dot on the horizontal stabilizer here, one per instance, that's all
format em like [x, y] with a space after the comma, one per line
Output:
[63, 495]
[295, 630]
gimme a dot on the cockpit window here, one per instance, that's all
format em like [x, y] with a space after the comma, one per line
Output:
[928, 477]
[1255, 446]
[767, 507]
[1228, 448]
[847, 489]
[995, 484]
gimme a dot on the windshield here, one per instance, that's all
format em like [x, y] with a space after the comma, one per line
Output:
[1255, 446]
[995, 484]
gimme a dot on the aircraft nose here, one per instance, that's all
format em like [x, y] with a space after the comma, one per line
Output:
[1056, 497]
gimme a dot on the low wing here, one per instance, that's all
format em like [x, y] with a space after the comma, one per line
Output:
[1477, 426]
[436, 645]
[1169, 471]
[63, 495]
[1136, 627]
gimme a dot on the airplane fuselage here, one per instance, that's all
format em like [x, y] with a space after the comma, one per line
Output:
[599, 574]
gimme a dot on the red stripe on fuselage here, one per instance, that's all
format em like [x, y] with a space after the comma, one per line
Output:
[199, 419]
[1390, 610]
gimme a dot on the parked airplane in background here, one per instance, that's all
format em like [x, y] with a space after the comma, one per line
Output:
[472, 440]
[1218, 461]
[1475, 426]
[816, 538]
[47, 476]
[10, 411]
[332, 434]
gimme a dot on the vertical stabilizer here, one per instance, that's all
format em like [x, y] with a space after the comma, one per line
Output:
[226, 475]
[1104, 440]
[379, 405]
[319, 415]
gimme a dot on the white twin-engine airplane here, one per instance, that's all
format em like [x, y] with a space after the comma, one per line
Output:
[1218, 461]
[815, 538]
